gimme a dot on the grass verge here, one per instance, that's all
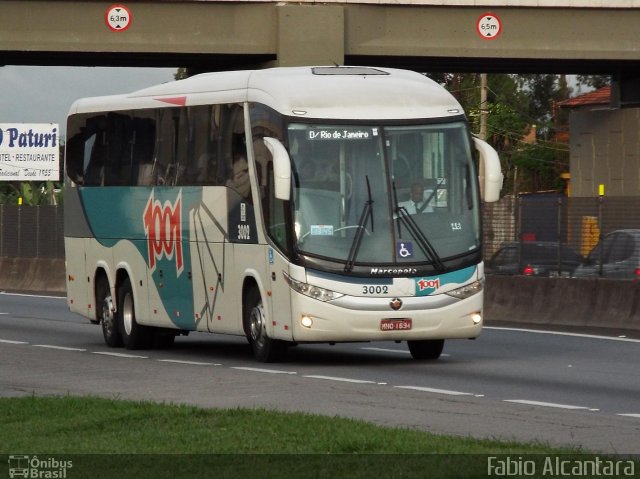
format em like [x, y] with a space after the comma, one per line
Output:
[147, 439]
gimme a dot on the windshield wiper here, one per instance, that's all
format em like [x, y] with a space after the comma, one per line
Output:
[367, 212]
[423, 242]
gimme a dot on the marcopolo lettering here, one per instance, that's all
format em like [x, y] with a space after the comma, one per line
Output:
[402, 271]
[15, 137]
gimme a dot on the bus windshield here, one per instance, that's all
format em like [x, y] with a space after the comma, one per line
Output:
[384, 195]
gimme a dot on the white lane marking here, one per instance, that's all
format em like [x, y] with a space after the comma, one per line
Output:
[629, 415]
[547, 404]
[61, 348]
[8, 341]
[119, 355]
[434, 390]
[193, 363]
[4, 313]
[262, 370]
[344, 380]
[33, 295]
[559, 333]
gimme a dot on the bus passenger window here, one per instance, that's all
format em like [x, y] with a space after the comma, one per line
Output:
[239, 180]
[95, 152]
[165, 147]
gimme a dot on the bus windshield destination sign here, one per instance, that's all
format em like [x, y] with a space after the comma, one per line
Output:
[342, 134]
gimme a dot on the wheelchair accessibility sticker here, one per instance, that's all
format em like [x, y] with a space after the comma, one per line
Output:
[404, 249]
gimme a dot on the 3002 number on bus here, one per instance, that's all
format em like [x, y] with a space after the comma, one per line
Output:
[375, 290]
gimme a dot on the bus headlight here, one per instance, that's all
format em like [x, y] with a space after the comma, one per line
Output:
[467, 290]
[315, 292]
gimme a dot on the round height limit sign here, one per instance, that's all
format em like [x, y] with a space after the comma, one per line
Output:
[118, 18]
[489, 26]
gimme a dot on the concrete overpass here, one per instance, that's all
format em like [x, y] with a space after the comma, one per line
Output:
[551, 36]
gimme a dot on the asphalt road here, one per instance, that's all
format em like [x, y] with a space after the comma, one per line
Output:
[556, 388]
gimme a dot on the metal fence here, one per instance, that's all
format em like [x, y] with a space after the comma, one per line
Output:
[601, 233]
[566, 226]
[31, 231]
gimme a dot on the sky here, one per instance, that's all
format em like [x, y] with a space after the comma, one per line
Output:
[35, 94]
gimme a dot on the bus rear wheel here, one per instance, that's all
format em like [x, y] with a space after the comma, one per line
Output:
[265, 349]
[134, 336]
[426, 349]
[108, 320]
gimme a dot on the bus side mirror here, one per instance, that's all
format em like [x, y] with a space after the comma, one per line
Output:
[281, 168]
[490, 171]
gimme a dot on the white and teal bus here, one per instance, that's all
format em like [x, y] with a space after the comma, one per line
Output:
[287, 205]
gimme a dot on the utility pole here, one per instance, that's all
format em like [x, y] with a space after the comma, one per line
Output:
[483, 106]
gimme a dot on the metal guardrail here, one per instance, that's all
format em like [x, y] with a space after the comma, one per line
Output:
[31, 231]
[604, 232]
[577, 223]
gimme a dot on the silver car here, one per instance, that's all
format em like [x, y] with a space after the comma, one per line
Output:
[616, 256]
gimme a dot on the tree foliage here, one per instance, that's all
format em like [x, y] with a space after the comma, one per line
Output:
[523, 123]
[32, 193]
[594, 81]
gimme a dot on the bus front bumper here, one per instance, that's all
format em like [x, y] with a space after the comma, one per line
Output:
[373, 319]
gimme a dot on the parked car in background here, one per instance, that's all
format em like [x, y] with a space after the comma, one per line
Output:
[534, 258]
[616, 256]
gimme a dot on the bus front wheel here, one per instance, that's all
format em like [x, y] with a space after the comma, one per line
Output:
[265, 349]
[426, 349]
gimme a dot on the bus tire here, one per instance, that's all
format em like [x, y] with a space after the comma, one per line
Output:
[426, 349]
[265, 349]
[108, 319]
[134, 336]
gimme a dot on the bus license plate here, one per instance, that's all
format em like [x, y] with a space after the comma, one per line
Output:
[403, 324]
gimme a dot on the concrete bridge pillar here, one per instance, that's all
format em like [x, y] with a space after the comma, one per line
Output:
[310, 34]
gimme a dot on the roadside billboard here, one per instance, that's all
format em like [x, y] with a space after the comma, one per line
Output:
[29, 152]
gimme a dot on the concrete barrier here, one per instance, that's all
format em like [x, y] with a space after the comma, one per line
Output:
[601, 303]
[29, 274]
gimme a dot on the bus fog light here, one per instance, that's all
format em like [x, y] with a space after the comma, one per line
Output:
[306, 321]
[476, 318]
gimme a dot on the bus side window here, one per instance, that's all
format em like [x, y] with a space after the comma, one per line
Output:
[95, 151]
[200, 158]
[268, 122]
[235, 152]
[82, 136]
[274, 211]
[184, 146]
[143, 147]
[164, 166]
[118, 166]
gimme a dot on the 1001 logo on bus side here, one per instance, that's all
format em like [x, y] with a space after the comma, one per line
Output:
[163, 230]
